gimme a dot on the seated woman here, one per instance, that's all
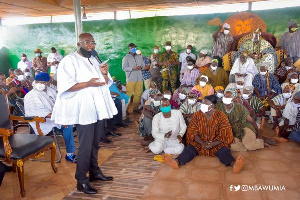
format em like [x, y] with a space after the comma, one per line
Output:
[266, 85]
[189, 107]
[190, 74]
[146, 94]
[202, 88]
[216, 75]
[278, 103]
[213, 141]
[203, 61]
[293, 82]
[179, 97]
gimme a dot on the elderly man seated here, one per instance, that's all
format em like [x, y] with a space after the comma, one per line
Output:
[212, 141]
[278, 103]
[246, 133]
[20, 81]
[289, 115]
[292, 82]
[189, 107]
[40, 102]
[168, 128]
[179, 97]
[190, 73]
[287, 67]
[243, 67]
[238, 86]
[266, 85]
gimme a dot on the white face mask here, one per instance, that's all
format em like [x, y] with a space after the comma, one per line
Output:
[294, 80]
[239, 86]
[167, 96]
[27, 74]
[151, 99]
[263, 73]
[155, 50]
[39, 87]
[190, 67]
[246, 96]
[214, 68]
[287, 95]
[220, 95]
[192, 101]
[188, 50]
[288, 67]
[202, 83]
[182, 96]
[156, 103]
[20, 77]
[168, 48]
[204, 108]
[226, 32]
[227, 101]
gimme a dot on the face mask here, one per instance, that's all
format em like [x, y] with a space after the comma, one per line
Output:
[156, 103]
[192, 101]
[220, 95]
[294, 80]
[155, 50]
[263, 73]
[204, 108]
[20, 77]
[239, 86]
[165, 109]
[37, 54]
[133, 50]
[182, 96]
[85, 53]
[167, 96]
[214, 68]
[287, 95]
[39, 87]
[188, 50]
[190, 67]
[202, 83]
[294, 29]
[226, 32]
[151, 99]
[27, 74]
[288, 67]
[245, 96]
[168, 48]
[227, 101]
[23, 58]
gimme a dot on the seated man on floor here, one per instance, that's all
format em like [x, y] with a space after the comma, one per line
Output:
[266, 85]
[289, 115]
[292, 82]
[189, 107]
[238, 86]
[153, 90]
[278, 103]
[40, 102]
[245, 131]
[168, 128]
[243, 67]
[212, 141]
[145, 124]
[285, 68]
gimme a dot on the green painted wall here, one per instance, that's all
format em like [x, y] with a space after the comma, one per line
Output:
[113, 36]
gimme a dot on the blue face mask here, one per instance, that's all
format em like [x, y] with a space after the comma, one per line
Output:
[133, 50]
[165, 109]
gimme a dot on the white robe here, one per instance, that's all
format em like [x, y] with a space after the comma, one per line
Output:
[248, 68]
[161, 126]
[87, 105]
[40, 104]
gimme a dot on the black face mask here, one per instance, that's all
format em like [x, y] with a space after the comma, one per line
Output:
[85, 53]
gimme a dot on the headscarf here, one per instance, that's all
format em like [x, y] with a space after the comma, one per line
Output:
[219, 88]
[203, 52]
[215, 60]
[203, 76]
[42, 77]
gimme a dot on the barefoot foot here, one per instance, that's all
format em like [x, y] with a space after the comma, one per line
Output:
[238, 165]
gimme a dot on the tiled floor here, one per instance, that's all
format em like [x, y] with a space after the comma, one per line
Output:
[137, 176]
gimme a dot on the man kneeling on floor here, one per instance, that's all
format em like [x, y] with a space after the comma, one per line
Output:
[40, 102]
[209, 134]
[168, 127]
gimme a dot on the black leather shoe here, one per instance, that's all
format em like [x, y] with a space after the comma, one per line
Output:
[86, 188]
[111, 133]
[106, 141]
[100, 177]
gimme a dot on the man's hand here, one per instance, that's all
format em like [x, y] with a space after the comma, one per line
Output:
[147, 67]
[12, 91]
[208, 146]
[168, 134]
[94, 82]
[49, 115]
[179, 138]
[104, 69]
[137, 68]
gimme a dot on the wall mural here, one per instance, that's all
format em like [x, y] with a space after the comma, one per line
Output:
[113, 36]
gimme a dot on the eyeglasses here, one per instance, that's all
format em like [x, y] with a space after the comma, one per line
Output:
[89, 42]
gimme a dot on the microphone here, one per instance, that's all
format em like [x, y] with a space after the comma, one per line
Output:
[95, 54]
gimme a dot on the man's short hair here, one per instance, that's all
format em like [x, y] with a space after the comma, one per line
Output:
[53, 48]
[2, 74]
[23, 55]
[132, 45]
